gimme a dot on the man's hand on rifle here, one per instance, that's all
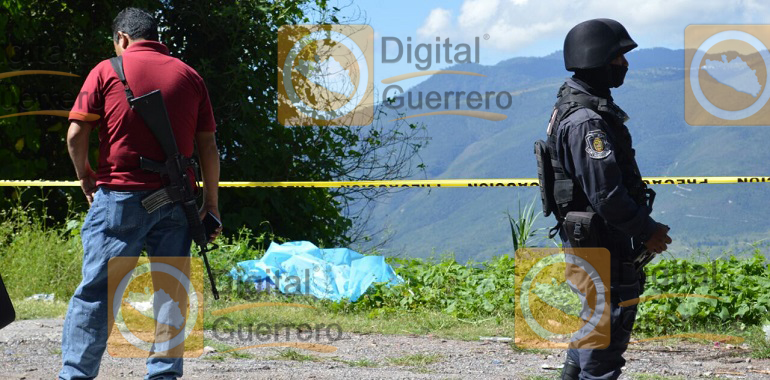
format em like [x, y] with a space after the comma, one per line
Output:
[659, 240]
[214, 210]
[209, 159]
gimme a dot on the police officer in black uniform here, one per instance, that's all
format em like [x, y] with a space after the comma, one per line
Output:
[596, 171]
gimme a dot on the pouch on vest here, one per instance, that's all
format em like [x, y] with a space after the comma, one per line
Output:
[563, 194]
[583, 228]
[545, 177]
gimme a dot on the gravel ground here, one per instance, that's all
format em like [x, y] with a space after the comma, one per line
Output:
[31, 351]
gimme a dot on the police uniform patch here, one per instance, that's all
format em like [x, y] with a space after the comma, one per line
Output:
[597, 145]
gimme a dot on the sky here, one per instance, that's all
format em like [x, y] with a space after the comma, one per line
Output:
[517, 28]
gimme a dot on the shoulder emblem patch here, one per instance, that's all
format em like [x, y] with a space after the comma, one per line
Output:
[597, 145]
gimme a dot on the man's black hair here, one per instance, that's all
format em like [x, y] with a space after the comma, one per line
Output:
[137, 23]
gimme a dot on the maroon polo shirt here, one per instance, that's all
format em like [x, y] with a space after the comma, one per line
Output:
[123, 135]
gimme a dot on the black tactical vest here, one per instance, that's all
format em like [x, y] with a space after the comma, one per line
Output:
[567, 193]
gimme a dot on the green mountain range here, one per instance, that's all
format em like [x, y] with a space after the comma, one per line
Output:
[471, 222]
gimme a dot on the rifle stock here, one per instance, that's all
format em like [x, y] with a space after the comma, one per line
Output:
[153, 111]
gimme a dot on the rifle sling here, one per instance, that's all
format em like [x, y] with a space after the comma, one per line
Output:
[117, 65]
[165, 195]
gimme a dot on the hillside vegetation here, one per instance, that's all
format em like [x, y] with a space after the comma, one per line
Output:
[471, 223]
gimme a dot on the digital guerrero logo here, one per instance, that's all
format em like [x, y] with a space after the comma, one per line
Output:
[726, 68]
[155, 307]
[548, 313]
[325, 75]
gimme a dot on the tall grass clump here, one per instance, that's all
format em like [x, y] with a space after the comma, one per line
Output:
[38, 256]
[523, 231]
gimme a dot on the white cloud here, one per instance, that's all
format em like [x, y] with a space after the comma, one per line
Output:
[517, 24]
[439, 21]
[477, 12]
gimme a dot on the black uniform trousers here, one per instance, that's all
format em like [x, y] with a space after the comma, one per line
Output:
[626, 284]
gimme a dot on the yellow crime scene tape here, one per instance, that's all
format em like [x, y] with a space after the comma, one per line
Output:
[488, 182]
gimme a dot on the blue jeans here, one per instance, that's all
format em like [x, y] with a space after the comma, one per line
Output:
[116, 226]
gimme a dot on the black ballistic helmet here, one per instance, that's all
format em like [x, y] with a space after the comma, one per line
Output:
[594, 43]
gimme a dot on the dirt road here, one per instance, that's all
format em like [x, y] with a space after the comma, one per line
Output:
[30, 350]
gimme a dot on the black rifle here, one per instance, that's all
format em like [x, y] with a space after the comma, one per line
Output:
[177, 167]
[642, 255]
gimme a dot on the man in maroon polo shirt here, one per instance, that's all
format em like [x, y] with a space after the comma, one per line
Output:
[117, 224]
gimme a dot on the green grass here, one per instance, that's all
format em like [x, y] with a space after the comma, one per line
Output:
[36, 258]
[416, 359]
[757, 340]
[419, 322]
[294, 355]
[522, 226]
[535, 351]
[362, 363]
[39, 309]
[216, 357]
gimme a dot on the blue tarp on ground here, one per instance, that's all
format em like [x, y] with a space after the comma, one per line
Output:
[302, 268]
